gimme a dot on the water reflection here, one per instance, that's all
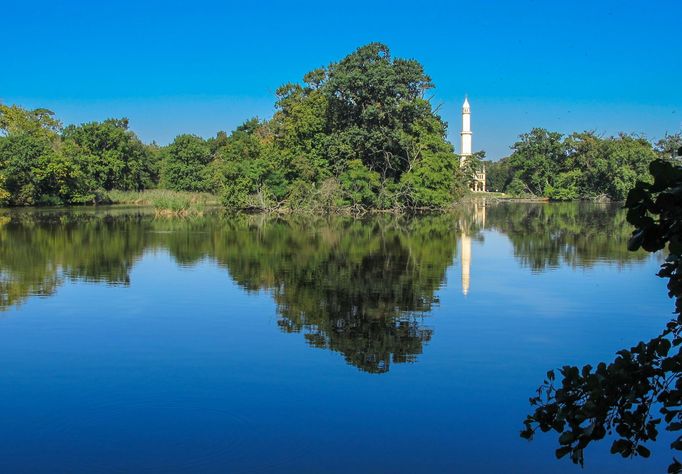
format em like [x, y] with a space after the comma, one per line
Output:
[361, 288]
[472, 220]
[357, 287]
[549, 235]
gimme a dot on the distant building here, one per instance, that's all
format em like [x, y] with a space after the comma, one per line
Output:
[478, 181]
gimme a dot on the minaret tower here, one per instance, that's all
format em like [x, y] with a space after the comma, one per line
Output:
[466, 131]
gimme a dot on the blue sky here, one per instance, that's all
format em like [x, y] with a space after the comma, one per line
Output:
[199, 67]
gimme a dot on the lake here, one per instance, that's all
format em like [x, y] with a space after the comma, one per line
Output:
[131, 343]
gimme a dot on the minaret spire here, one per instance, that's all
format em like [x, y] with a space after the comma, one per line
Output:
[466, 130]
[478, 179]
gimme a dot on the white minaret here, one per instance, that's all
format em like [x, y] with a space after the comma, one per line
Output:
[466, 131]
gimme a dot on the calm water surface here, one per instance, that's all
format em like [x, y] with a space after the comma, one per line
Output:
[307, 345]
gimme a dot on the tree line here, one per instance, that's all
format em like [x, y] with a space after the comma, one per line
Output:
[358, 133]
[43, 163]
[577, 166]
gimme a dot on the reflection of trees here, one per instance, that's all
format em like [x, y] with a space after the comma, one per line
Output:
[550, 235]
[356, 287]
[38, 251]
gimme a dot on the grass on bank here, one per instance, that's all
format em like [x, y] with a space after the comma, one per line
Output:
[166, 202]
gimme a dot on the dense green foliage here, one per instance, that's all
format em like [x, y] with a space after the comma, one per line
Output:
[581, 165]
[185, 164]
[41, 163]
[111, 156]
[641, 390]
[358, 134]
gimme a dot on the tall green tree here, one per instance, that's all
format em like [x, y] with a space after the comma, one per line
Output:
[375, 104]
[537, 158]
[628, 159]
[34, 168]
[246, 170]
[365, 118]
[20, 160]
[185, 164]
[111, 156]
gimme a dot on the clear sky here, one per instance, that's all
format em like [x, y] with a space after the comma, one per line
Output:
[199, 67]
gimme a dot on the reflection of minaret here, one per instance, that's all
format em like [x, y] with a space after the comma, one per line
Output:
[473, 225]
[466, 263]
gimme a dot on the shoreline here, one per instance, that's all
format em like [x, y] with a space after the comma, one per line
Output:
[147, 207]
